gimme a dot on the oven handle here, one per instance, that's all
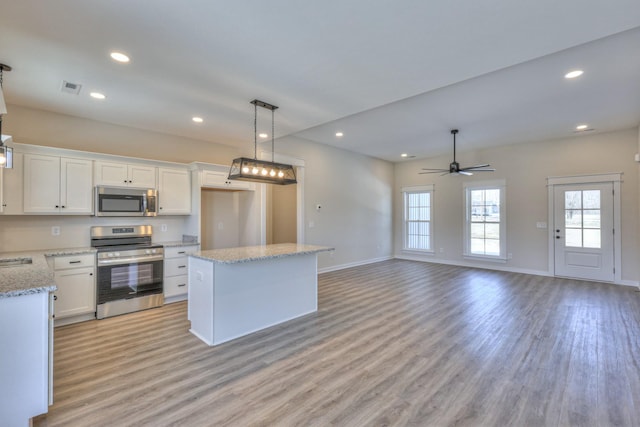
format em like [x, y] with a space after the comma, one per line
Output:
[130, 260]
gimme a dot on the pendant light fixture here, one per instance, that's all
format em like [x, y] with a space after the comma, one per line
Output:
[6, 153]
[254, 170]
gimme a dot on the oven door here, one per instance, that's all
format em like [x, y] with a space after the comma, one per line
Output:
[129, 280]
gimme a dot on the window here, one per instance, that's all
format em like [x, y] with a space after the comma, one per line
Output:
[485, 220]
[418, 217]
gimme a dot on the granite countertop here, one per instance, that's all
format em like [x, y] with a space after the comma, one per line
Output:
[32, 278]
[257, 253]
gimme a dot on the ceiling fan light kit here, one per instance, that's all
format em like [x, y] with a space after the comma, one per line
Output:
[262, 171]
[454, 166]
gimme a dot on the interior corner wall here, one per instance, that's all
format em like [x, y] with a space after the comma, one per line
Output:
[39, 127]
[525, 168]
[355, 195]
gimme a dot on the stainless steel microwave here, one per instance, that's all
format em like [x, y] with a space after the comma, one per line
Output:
[115, 201]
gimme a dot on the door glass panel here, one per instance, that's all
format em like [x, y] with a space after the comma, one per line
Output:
[592, 239]
[573, 237]
[582, 219]
[573, 199]
[591, 199]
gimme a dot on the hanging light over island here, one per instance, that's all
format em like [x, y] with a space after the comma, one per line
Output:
[263, 171]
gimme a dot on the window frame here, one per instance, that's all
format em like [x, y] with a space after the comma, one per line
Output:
[405, 200]
[485, 185]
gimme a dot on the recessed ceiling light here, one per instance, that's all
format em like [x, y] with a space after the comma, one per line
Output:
[339, 134]
[573, 74]
[120, 57]
[263, 135]
[97, 95]
[581, 127]
[404, 155]
[197, 119]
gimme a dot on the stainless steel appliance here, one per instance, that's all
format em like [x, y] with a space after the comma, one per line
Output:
[129, 269]
[116, 201]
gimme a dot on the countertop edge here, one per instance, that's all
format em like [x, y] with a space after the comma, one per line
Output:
[262, 257]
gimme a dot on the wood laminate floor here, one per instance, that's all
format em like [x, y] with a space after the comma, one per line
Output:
[393, 343]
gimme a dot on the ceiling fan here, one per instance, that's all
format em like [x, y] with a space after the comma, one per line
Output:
[454, 167]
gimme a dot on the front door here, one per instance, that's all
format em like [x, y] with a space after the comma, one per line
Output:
[583, 231]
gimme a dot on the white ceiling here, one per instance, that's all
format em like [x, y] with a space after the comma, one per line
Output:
[393, 76]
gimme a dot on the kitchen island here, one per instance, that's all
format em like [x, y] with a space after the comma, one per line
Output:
[234, 292]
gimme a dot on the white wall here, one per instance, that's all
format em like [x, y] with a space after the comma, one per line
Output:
[355, 193]
[525, 168]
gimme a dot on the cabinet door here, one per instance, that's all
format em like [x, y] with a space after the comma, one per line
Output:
[41, 184]
[76, 292]
[113, 174]
[76, 188]
[214, 179]
[174, 192]
[141, 176]
[12, 187]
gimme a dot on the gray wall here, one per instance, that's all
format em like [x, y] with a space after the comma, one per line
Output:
[525, 168]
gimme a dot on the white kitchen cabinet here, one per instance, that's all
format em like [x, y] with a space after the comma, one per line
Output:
[11, 187]
[174, 191]
[124, 175]
[75, 299]
[176, 278]
[59, 185]
[216, 179]
[24, 371]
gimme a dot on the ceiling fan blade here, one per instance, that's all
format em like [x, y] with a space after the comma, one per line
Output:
[464, 172]
[434, 171]
[479, 170]
[477, 167]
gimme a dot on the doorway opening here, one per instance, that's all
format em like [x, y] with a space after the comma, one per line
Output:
[282, 212]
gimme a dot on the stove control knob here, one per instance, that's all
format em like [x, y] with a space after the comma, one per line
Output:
[147, 251]
[117, 254]
[110, 254]
[153, 251]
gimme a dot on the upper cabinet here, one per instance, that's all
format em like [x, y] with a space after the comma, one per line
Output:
[125, 175]
[57, 185]
[11, 187]
[216, 179]
[174, 191]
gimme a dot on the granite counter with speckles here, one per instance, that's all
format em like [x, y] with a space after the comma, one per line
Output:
[257, 253]
[32, 278]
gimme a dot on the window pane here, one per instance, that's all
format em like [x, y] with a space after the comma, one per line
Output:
[591, 218]
[477, 231]
[492, 231]
[573, 218]
[492, 197]
[477, 246]
[492, 213]
[477, 197]
[573, 237]
[591, 199]
[573, 199]
[592, 239]
[492, 247]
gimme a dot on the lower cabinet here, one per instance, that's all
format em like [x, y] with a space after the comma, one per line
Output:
[75, 299]
[175, 272]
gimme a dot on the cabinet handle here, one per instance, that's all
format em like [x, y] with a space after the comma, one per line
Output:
[57, 206]
[130, 181]
[62, 206]
[125, 181]
[90, 274]
[180, 253]
[182, 284]
[182, 266]
[55, 297]
[75, 262]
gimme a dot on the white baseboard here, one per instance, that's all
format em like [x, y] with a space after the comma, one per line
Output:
[353, 264]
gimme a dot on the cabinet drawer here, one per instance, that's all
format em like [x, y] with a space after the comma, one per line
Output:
[175, 266]
[176, 285]
[179, 251]
[74, 261]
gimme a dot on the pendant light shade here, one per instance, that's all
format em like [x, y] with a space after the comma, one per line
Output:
[262, 171]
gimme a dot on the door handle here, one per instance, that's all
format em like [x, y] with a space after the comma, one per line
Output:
[557, 231]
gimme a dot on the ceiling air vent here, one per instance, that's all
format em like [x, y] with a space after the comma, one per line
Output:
[72, 88]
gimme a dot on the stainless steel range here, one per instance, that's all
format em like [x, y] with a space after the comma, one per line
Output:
[129, 269]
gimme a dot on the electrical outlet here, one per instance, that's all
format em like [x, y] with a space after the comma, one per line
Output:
[55, 230]
[163, 227]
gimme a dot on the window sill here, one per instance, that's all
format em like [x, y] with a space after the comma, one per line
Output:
[418, 251]
[500, 260]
